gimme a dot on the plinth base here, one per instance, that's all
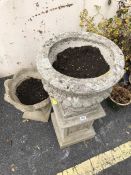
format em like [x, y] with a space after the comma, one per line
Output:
[85, 134]
[41, 115]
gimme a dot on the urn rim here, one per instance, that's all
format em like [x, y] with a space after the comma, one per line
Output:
[76, 85]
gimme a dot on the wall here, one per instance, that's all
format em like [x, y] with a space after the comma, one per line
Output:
[26, 24]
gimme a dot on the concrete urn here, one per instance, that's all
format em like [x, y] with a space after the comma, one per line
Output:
[39, 111]
[76, 101]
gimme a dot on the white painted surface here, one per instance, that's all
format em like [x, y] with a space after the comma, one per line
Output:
[20, 38]
[106, 10]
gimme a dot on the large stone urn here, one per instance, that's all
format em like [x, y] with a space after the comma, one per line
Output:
[76, 101]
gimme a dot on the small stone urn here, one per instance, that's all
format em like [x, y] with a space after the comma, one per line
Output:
[39, 111]
[76, 101]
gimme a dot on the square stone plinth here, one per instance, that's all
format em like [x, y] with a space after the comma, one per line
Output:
[76, 128]
[73, 138]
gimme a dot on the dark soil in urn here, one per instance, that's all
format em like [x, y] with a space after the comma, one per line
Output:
[31, 91]
[81, 62]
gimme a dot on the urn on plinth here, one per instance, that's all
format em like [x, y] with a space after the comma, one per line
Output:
[77, 101]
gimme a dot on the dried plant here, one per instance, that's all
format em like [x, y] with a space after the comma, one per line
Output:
[117, 29]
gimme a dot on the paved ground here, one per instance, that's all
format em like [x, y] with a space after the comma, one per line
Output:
[31, 148]
[122, 168]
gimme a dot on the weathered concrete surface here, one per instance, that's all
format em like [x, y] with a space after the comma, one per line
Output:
[40, 111]
[111, 52]
[77, 96]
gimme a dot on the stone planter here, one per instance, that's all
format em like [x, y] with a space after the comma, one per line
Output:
[76, 102]
[39, 111]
